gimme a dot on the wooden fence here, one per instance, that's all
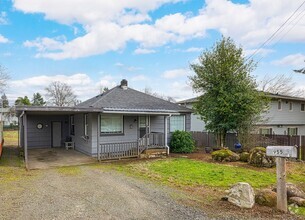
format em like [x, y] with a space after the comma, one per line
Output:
[208, 139]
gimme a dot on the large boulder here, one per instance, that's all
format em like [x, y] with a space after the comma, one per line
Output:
[266, 197]
[297, 201]
[293, 191]
[225, 155]
[242, 195]
[258, 158]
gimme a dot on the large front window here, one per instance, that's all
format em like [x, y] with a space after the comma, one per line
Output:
[112, 124]
[177, 122]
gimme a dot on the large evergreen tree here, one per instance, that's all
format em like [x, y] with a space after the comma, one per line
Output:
[22, 101]
[229, 100]
[38, 100]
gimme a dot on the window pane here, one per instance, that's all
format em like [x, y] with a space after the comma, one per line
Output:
[112, 124]
[265, 131]
[292, 131]
[279, 105]
[177, 123]
[302, 107]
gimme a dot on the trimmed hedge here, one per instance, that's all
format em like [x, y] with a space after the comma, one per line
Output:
[182, 142]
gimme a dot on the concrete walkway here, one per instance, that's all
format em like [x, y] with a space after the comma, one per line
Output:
[45, 158]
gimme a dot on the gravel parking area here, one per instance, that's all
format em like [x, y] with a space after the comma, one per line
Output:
[91, 194]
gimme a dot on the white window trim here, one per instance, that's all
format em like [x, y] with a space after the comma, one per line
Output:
[279, 101]
[301, 107]
[112, 133]
[292, 128]
[86, 125]
[72, 124]
[183, 123]
[291, 103]
[265, 128]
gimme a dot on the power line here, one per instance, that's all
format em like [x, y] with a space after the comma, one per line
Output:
[274, 34]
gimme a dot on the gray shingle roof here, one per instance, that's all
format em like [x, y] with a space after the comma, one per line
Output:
[119, 99]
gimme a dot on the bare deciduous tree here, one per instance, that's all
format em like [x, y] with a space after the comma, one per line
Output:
[4, 77]
[281, 84]
[149, 91]
[60, 94]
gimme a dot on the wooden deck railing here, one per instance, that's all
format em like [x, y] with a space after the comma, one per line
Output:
[130, 149]
[118, 150]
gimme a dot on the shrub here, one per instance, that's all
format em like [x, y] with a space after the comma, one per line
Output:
[244, 156]
[182, 142]
[225, 155]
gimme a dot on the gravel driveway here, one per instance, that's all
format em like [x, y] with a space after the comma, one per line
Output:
[93, 194]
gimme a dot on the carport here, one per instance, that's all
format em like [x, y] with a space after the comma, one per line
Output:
[43, 132]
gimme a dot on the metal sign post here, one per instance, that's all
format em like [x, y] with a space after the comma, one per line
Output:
[281, 153]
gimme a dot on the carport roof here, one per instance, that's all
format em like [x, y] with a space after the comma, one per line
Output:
[45, 109]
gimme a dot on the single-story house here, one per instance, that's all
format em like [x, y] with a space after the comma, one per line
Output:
[121, 122]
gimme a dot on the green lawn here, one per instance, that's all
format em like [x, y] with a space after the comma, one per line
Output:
[188, 172]
[10, 138]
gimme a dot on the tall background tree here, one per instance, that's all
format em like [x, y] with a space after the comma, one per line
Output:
[38, 100]
[5, 103]
[229, 100]
[22, 101]
[4, 77]
[60, 94]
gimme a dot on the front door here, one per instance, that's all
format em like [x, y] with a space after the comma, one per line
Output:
[56, 134]
[144, 125]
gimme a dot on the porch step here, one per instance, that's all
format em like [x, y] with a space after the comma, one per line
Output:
[153, 153]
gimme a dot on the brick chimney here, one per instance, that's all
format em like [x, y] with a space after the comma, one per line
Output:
[124, 84]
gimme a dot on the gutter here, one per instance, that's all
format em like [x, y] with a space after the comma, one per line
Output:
[166, 146]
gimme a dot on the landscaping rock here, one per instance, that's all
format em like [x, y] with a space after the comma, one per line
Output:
[225, 155]
[242, 195]
[244, 156]
[266, 197]
[258, 158]
[297, 200]
[293, 191]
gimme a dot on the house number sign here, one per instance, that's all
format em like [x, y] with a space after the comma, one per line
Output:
[281, 153]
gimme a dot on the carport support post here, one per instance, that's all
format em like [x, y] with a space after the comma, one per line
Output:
[281, 184]
[25, 135]
[98, 136]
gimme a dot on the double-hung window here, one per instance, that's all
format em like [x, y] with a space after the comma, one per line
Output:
[111, 124]
[292, 131]
[177, 122]
[86, 125]
[72, 125]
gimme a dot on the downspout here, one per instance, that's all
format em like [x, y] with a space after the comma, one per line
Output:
[165, 134]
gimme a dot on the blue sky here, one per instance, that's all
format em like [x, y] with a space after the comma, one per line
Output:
[94, 43]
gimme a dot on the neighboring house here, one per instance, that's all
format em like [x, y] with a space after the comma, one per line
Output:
[121, 121]
[8, 117]
[285, 116]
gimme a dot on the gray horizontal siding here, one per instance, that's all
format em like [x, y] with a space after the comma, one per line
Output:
[82, 145]
[41, 138]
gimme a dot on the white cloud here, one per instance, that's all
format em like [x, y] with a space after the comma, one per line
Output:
[295, 60]
[194, 49]
[262, 52]
[171, 74]
[126, 67]
[81, 84]
[140, 77]
[144, 51]
[3, 18]
[3, 39]
[110, 25]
